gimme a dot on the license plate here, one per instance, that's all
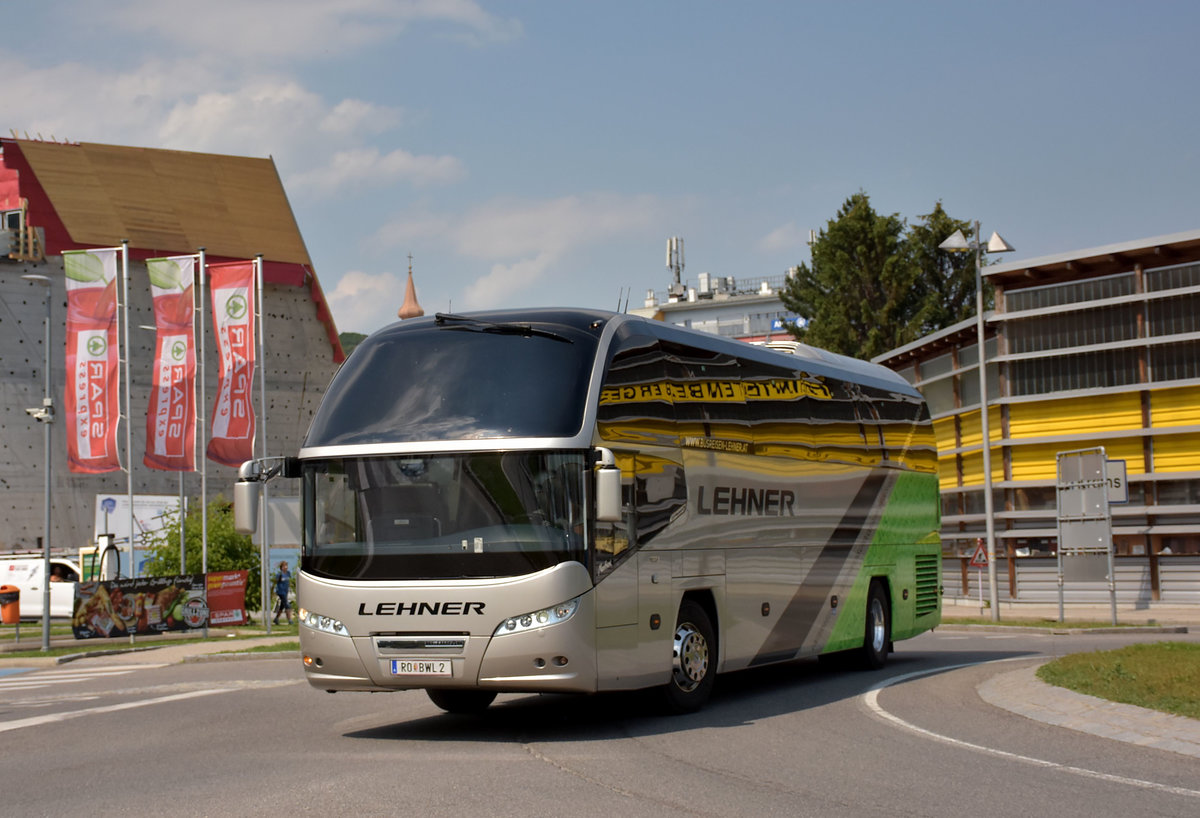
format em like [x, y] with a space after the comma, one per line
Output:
[421, 667]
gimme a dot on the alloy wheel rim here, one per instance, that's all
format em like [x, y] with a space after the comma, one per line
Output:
[691, 657]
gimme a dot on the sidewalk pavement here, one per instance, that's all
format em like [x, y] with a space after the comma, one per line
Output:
[1022, 692]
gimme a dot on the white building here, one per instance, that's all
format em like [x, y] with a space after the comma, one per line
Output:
[746, 307]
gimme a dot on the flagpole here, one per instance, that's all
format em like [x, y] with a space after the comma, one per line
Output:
[202, 419]
[128, 405]
[265, 557]
[202, 422]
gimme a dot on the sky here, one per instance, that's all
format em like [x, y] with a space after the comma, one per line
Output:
[541, 153]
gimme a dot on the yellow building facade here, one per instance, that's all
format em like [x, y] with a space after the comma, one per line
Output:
[1099, 348]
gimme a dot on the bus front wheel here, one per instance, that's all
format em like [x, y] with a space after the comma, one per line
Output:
[694, 660]
[461, 701]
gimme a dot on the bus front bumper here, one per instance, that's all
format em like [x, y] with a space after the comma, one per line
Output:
[558, 658]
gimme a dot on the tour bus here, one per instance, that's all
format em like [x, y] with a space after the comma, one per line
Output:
[565, 500]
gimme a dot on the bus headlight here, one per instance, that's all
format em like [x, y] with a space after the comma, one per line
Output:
[325, 624]
[553, 615]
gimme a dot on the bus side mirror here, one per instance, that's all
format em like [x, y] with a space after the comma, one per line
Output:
[245, 506]
[608, 488]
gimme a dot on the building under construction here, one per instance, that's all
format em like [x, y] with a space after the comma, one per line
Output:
[58, 197]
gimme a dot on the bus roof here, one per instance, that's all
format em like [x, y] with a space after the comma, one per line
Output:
[817, 361]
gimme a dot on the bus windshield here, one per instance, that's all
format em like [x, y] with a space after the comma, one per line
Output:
[458, 381]
[444, 516]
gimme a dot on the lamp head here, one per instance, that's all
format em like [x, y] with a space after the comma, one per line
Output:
[957, 243]
[997, 244]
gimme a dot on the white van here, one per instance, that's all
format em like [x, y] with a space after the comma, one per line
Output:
[27, 572]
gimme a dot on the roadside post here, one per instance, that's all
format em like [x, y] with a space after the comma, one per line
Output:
[979, 560]
[1085, 552]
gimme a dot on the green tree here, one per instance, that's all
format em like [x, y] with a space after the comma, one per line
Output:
[946, 280]
[859, 290]
[227, 549]
[350, 340]
[875, 283]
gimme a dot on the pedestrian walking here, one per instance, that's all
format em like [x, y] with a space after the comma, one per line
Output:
[283, 585]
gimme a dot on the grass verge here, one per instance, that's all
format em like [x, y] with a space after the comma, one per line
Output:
[1163, 676]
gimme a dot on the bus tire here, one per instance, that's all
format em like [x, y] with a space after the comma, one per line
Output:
[693, 660]
[461, 701]
[877, 635]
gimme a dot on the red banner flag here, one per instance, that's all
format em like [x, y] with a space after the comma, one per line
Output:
[91, 394]
[232, 287]
[171, 417]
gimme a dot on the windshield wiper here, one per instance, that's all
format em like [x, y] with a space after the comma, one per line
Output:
[450, 320]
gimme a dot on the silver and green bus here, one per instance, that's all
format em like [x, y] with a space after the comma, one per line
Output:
[565, 500]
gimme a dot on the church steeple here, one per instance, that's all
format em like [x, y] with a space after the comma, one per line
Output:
[410, 308]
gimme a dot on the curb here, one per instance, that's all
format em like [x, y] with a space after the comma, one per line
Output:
[1065, 630]
[71, 657]
[200, 658]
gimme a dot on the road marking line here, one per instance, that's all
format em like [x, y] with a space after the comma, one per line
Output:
[103, 668]
[871, 699]
[41, 681]
[58, 677]
[50, 718]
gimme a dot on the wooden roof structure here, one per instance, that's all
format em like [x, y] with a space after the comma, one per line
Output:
[165, 200]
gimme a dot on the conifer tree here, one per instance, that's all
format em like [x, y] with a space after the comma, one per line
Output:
[875, 284]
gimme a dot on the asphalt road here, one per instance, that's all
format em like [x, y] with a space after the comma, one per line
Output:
[250, 737]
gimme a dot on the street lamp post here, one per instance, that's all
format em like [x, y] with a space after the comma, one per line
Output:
[45, 415]
[996, 244]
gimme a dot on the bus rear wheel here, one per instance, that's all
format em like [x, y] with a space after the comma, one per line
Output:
[461, 701]
[877, 636]
[693, 662]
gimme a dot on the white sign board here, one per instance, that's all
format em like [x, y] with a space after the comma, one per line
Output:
[1118, 486]
[149, 515]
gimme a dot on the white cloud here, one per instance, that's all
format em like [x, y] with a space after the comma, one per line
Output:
[356, 116]
[366, 299]
[785, 237]
[82, 103]
[367, 165]
[164, 105]
[498, 286]
[266, 30]
[523, 240]
[260, 118]
[220, 77]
